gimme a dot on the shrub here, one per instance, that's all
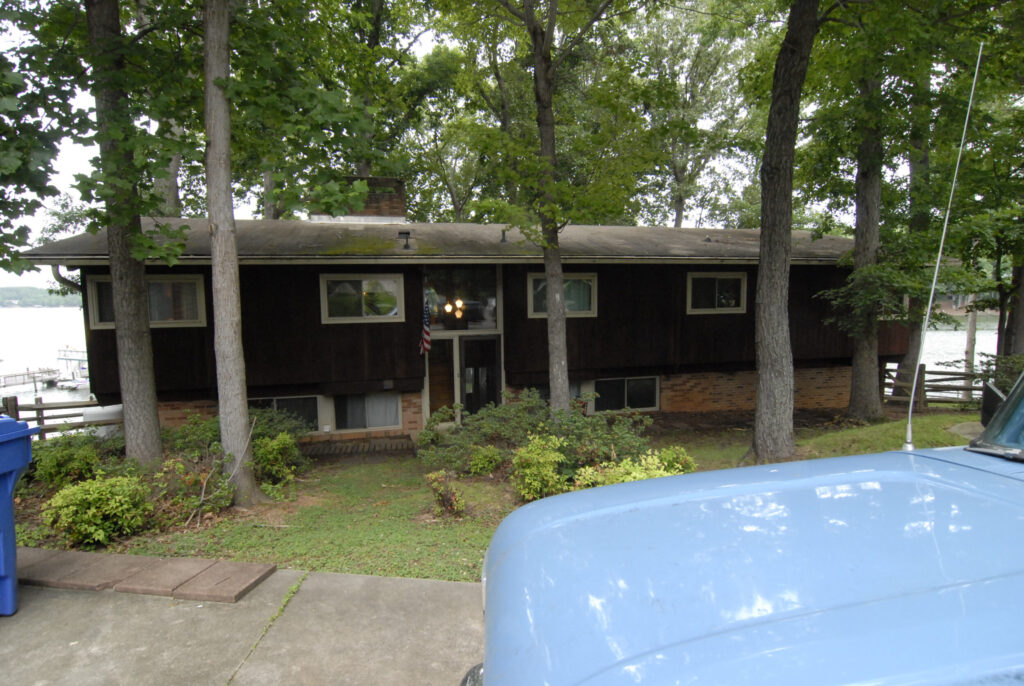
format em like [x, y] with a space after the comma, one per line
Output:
[448, 500]
[586, 439]
[600, 437]
[96, 511]
[535, 468]
[274, 460]
[485, 459]
[650, 465]
[69, 458]
[186, 486]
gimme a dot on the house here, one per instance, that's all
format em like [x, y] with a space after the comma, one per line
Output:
[659, 319]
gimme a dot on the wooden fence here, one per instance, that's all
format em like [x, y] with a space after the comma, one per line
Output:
[54, 417]
[934, 387]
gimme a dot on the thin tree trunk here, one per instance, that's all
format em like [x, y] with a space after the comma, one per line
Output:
[971, 342]
[227, 321]
[865, 395]
[271, 208]
[131, 295]
[1015, 320]
[773, 416]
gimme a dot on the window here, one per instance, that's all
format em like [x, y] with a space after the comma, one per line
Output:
[305, 408]
[461, 297]
[716, 293]
[580, 295]
[617, 394]
[174, 301]
[361, 298]
[366, 411]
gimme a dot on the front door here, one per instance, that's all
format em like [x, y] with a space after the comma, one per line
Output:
[480, 371]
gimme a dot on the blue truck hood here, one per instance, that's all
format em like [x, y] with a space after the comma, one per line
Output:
[896, 568]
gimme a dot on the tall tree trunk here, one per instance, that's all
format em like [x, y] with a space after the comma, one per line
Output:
[1015, 320]
[227, 320]
[773, 417]
[865, 394]
[131, 294]
[543, 90]
[919, 164]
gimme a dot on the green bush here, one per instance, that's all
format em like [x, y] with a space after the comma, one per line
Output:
[188, 485]
[200, 437]
[650, 465]
[601, 437]
[448, 500]
[96, 511]
[536, 468]
[193, 478]
[585, 439]
[274, 460]
[69, 458]
[485, 459]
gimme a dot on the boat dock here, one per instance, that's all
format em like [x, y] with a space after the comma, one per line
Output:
[46, 377]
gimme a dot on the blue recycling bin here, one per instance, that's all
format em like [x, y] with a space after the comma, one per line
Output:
[15, 454]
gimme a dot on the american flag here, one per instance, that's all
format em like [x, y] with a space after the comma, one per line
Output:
[425, 338]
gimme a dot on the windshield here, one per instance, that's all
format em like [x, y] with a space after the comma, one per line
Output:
[1006, 429]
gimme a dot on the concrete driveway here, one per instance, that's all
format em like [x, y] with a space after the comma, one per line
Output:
[293, 628]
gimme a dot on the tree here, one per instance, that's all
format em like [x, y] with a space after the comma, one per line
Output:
[569, 172]
[232, 401]
[107, 53]
[686, 58]
[773, 417]
[27, 151]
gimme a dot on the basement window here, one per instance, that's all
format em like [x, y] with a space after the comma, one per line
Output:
[716, 292]
[637, 393]
[366, 411]
[303, 407]
[174, 301]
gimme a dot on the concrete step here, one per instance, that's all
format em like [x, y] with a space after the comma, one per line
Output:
[181, 578]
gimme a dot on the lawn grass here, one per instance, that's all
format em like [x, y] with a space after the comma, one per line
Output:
[375, 516]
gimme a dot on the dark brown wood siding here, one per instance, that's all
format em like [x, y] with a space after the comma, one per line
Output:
[642, 326]
[288, 351]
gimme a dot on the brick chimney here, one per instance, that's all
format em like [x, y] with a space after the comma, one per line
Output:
[385, 201]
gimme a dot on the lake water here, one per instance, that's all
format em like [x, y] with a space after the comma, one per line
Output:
[32, 338]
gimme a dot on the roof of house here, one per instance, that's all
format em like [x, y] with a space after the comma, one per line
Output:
[341, 242]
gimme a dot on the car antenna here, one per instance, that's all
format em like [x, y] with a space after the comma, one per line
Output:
[909, 443]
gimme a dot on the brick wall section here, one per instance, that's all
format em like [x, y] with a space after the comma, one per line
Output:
[816, 388]
[386, 197]
[412, 413]
[174, 414]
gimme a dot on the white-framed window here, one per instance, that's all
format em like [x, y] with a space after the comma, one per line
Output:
[354, 411]
[176, 300]
[580, 295]
[716, 292]
[348, 298]
[635, 393]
